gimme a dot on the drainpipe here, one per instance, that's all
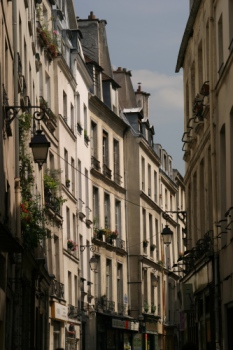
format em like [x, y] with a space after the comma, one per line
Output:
[214, 172]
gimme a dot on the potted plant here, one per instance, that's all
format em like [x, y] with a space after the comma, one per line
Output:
[114, 234]
[146, 306]
[86, 137]
[67, 183]
[153, 309]
[71, 245]
[152, 247]
[145, 243]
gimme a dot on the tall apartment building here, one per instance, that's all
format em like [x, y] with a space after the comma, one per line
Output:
[206, 58]
[152, 196]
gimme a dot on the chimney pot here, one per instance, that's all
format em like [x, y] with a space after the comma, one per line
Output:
[91, 16]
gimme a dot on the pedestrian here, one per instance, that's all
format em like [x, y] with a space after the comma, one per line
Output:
[189, 346]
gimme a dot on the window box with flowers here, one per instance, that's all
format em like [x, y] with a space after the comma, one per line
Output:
[153, 309]
[115, 234]
[71, 245]
[145, 243]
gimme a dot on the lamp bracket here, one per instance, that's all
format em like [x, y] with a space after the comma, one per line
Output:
[90, 246]
[11, 112]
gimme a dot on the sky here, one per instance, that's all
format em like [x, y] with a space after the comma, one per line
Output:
[144, 36]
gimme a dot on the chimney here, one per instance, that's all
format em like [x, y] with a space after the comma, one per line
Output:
[91, 16]
[139, 87]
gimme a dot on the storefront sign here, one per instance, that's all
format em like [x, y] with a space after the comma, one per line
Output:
[125, 324]
[151, 328]
[59, 311]
[137, 342]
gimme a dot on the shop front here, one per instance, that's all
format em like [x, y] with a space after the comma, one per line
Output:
[115, 333]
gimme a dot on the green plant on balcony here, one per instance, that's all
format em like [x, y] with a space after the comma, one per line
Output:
[114, 234]
[71, 245]
[153, 309]
[86, 137]
[145, 243]
[51, 189]
[152, 247]
[146, 306]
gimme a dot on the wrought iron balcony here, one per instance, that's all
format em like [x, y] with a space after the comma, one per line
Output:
[73, 311]
[107, 172]
[57, 290]
[95, 163]
[52, 202]
[102, 303]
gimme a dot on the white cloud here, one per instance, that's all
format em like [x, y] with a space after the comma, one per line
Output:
[166, 100]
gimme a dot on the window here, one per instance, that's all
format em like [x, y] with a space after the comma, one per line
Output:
[64, 106]
[69, 288]
[200, 65]
[116, 160]
[149, 180]
[85, 117]
[76, 290]
[66, 164]
[220, 44]
[47, 89]
[144, 224]
[143, 173]
[72, 176]
[107, 222]
[118, 216]
[155, 186]
[94, 143]
[96, 206]
[72, 117]
[97, 278]
[68, 222]
[105, 148]
[109, 279]
[87, 194]
[119, 287]
[74, 228]
[80, 185]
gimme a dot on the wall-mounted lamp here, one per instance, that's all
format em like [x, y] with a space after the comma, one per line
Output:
[40, 146]
[167, 235]
[93, 263]
[154, 281]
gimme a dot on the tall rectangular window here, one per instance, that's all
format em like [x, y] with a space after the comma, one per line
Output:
[118, 216]
[97, 278]
[68, 222]
[74, 228]
[200, 65]
[149, 180]
[143, 173]
[107, 218]
[72, 117]
[75, 291]
[87, 194]
[155, 187]
[64, 105]
[220, 44]
[105, 149]
[94, 143]
[66, 161]
[109, 279]
[116, 161]
[72, 176]
[144, 226]
[80, 185]
[69, 288]
[95, 207]
[120, 287]
[85, 117]
[47, 89]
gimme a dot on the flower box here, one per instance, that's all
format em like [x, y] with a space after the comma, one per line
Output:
[71, 245]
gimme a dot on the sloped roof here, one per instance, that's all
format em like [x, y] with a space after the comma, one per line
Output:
[126, 94]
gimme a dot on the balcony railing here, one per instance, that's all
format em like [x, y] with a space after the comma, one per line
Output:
[73, 311]
[104, 304]
[52, 202]
[95, 163]
[57, 290]
[120, 243]
[107, 172]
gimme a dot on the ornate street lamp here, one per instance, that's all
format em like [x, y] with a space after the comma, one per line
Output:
[167, 235]
[93, 263]
[40, 146]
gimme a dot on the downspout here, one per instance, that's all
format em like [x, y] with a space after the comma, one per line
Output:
[214, 171]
